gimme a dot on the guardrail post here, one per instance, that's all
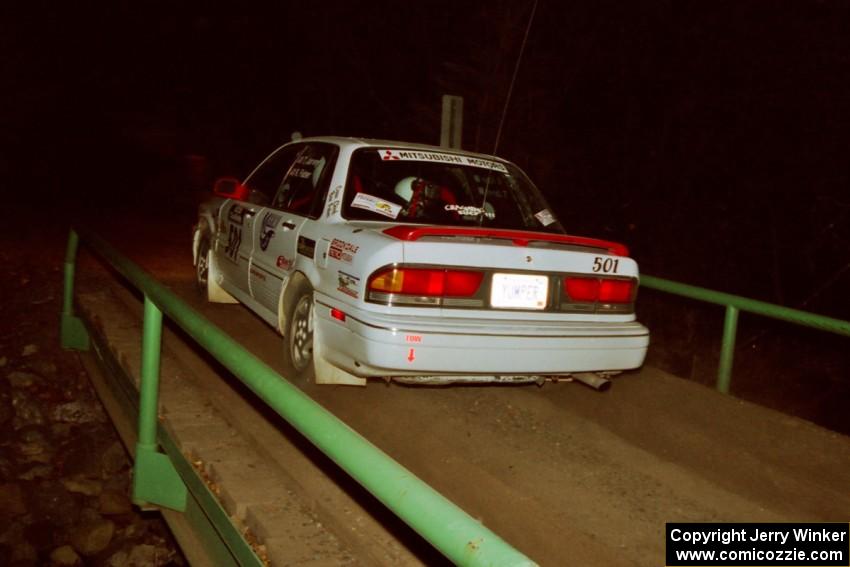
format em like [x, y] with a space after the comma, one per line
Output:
[727, 349]
[72, 332]
[155, 480]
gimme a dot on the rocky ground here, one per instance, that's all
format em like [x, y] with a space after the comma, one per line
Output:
[64, 474]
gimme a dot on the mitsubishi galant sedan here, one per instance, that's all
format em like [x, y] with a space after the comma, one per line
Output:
[417, 264]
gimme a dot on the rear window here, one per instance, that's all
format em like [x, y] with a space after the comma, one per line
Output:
[441, 188]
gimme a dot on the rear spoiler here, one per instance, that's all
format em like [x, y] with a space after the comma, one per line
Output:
[518, 237]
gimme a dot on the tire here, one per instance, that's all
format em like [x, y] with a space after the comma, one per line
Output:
[202, 268]
[298, 340]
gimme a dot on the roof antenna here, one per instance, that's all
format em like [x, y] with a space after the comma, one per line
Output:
[513, 79]
[505, 108]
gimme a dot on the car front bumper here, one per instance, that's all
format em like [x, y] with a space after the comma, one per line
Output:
[369, 345]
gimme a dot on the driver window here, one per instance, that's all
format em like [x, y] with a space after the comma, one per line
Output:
[265, 181]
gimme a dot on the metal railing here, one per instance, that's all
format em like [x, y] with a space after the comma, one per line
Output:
[461, 538]
[736, 303]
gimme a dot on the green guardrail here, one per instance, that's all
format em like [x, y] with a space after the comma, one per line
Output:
[734, 304]
[458, 536]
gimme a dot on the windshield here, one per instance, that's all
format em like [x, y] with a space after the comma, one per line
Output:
[431, 187]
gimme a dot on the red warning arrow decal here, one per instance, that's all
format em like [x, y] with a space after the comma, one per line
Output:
[411, 356]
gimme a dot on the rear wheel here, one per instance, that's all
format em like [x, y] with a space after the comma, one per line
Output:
[298, 341]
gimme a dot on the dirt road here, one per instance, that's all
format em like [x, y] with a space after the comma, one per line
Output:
[566, 474]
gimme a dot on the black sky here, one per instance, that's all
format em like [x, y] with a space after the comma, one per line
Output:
[710, 136]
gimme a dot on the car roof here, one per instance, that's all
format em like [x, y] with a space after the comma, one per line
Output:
[356, 143]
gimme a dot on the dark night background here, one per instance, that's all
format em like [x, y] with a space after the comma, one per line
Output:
[711, 137]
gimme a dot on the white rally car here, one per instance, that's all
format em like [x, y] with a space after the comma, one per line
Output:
[418, 264]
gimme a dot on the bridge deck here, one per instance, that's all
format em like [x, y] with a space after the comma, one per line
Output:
[561, 472]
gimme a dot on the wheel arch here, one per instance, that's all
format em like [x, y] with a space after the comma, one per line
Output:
[288, 295]
[204, 227]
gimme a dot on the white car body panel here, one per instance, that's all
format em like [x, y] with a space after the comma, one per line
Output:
[257, 250]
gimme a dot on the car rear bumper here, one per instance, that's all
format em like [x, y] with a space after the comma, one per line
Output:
[367, 347]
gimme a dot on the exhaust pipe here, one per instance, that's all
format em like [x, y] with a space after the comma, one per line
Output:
[595, 381]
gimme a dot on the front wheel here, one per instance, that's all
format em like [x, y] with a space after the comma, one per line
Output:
[202, 268]
[298, 341]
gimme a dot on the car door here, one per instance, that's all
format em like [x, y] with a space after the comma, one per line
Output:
[235, 241]
[298, 200]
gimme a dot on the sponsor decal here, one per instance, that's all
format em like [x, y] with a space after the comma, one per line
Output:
[267, 231]
[305, 166]
[470, 211]
[605, 265]
[348, 284]
[236, 218]
[234, 240]
[545, 217]
[283, 263]
[376, 205]
[306, 247]
[416, 155]
[342, 250]
[334, 200]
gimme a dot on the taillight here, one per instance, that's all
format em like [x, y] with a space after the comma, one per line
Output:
[423, 286]
[582, 289]
[601, 290]
[616, 291]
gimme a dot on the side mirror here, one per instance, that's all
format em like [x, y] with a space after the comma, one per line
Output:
[230, 188]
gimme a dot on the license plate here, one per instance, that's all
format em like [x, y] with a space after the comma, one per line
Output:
[519, 291]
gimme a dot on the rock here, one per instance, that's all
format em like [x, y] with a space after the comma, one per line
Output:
[33, 444]
[27, 411]
[32, 440]
[8, 470]
[141, 555]
[43, 535]
[12, 533]
[81, 457]
[114, 459]
[92, 538]
[60, 430]
[23, 552]
[84, 486]
[114, 503]
[118, 483]
[65, 556]
[32, 434]
[12, 502]
[45, 368]
[38, 472]
[78, 412]
[120, 558]
[23, 379]
[53, 503]
[29, 350]
[89, 516]
[7, 410]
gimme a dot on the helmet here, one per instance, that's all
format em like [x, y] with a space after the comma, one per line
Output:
[404, 188]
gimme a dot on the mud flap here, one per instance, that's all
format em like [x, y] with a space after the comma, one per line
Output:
[325, 372]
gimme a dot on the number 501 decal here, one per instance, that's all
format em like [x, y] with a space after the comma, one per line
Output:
[606, 265]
